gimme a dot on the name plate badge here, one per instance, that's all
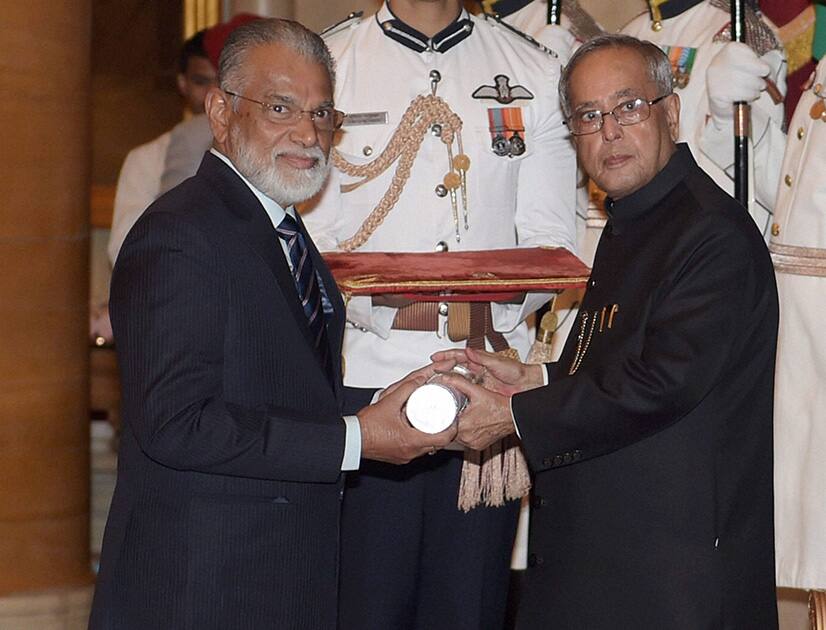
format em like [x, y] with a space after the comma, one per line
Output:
[366, 118]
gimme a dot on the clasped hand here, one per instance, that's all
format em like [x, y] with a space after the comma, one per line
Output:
[487, 416]
[386, 435]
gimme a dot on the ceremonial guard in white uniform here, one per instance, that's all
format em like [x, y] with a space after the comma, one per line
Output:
[139, 184]
[711, 73]
[451, 142]
[575, 27]
[798, 247]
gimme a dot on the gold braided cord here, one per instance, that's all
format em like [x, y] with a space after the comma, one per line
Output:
[404, 145]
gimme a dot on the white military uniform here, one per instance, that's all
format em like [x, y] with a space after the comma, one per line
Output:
[402, 534]
[690, 36]
[139, 184]
[532, 18]
[798, 247]
[524, 200]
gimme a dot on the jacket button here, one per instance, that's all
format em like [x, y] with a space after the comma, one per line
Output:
[818, 88]
[788, 180]
[592, 283]
[368, 151]
[800, 133]
[775, 229]
[441, 190]
[534, 560]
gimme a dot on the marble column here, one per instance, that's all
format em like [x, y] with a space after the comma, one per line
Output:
[45, 575]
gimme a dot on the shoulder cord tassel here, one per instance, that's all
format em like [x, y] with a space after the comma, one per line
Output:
[404, 145]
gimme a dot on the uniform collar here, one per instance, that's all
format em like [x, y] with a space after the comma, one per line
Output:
[625, 211]
[408, 36]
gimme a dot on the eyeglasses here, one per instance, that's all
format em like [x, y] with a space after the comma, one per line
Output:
[626, 113]
[323, 118]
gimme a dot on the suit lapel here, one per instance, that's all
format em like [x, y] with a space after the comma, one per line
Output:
[257, 229]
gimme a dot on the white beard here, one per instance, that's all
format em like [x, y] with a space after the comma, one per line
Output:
[285, 185]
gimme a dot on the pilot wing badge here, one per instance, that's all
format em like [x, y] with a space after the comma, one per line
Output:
[501, 91]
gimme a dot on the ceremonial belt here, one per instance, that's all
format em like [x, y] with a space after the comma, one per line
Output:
[471, 321]
[799, 261]
[423, 316]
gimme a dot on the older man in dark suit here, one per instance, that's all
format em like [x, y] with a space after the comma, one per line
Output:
[651, 438]
[229, 329]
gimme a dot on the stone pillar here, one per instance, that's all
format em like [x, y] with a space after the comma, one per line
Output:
[44, 249]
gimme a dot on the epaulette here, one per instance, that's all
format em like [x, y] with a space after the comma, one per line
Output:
[759, 35]
[498, 21]
[340, 26]
[583, 26]
[503, 8]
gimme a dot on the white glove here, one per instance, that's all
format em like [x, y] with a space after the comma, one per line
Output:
[558, 39]
[736, 74]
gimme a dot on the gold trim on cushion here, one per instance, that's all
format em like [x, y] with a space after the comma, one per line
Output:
[363, 283]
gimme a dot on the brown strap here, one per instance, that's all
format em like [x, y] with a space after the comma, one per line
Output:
[458, 321]
[423, 316]
[481, 328]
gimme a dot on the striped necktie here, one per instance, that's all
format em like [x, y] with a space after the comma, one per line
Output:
[306, 283]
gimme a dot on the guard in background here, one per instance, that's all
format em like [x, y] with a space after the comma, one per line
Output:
[575, 27]
[531, 16]
[711, 74]
[798, 247]
[453, 140]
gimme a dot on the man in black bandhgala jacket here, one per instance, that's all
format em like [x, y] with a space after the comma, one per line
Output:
[651, 437]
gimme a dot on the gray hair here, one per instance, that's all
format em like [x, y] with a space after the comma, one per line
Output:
[658, 65]
[264, 32]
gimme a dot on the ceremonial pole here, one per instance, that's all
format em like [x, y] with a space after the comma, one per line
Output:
[554, 11]
[742, 114]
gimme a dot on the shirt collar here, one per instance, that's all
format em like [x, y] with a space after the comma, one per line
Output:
[623, 212]
[272, 208]
[408, 36]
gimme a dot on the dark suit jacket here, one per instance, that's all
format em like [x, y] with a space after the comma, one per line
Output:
[226, 511]
[653, 460]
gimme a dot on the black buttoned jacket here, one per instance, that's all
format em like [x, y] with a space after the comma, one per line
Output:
[226, 511]
[652, 443]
